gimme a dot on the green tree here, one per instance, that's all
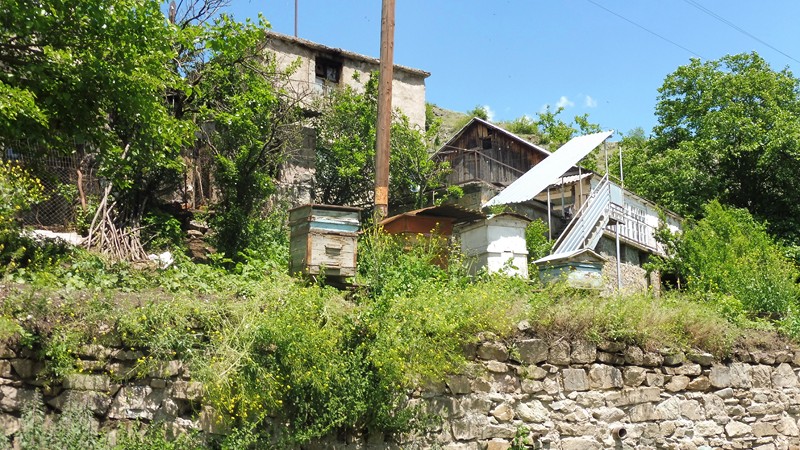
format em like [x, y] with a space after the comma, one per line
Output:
[729, 130]
[94, 73]
[345, 154]
[250, 117]
[728, 252]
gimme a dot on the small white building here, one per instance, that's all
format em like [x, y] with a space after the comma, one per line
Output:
[497, 243]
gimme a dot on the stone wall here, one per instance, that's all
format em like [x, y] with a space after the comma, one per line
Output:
[572, 396]
[109, 385]
[559, 395]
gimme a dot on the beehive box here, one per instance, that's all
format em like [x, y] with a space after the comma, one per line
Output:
[497, 243]
[323, 240]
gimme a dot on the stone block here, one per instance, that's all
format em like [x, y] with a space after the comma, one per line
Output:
[669, 409]
[84, 382]
[5, 368]
[583, 352]
[498, 444]
[581, 443]
[610, 358]
[701, 384]
[644, 412]
[575, 380]
[760, 429]
[187, 390]
[720, 376]
[559, 353]
[707, 428]
[634, 356]
[12, 398]
[702, 358]
[761, 377]
[654, 379]
[784, 377]
[9, 424]
[136, 402]
[692, 410]
[496, 367]
[652, 359]
[735, 429]
[532, 351]
[469, 427]
[503, 412]
[166, 369]
[25, 368]
[603, 376]
[673, 357]
[741, 375]
[458, 384]
[493, 351]
[532, 412]
[607, 414]
[532, 386]
[96, 402]
[634, 396]
[6, 351]
[634, 376]
[677, 383]
[212, 422]
[688, 369]
[535, 373]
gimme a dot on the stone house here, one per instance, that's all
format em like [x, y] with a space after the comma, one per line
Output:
[316, 70]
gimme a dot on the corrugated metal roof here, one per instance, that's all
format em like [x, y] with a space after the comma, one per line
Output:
[549, 170]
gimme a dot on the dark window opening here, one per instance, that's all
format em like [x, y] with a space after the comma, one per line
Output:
[328, 70]
[487, 143]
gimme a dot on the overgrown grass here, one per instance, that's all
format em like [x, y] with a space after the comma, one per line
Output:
[272, 349]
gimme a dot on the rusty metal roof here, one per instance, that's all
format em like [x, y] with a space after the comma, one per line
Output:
[457, 213]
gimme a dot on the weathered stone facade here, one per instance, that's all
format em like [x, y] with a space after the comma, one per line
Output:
[566, 395]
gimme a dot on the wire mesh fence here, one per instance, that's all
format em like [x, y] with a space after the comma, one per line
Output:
[68, 178]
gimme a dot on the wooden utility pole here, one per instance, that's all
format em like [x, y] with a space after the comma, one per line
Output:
[384, 110]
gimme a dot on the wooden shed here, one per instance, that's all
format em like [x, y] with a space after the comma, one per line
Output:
[497, 243]
[323, 240]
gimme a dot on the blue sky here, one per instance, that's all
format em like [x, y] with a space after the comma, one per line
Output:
[516, 56]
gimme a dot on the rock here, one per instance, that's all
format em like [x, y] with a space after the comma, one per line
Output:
[602, 376]
[702, 358]
[610, 358]
[581, 443]
[583, 352]
[496, 367]
[470, 427]
[707, 428]
[498, 444]
[669, 409]
[611, 346]
[654, 379]
[673, 357]
[606, 414]
[531, 386]
[634, 396]
[644, 412]
[651, 359]
[559, 354]
[689, 369]
[25, 368]
[760, 429]
[762, 377]
[634, 356]
[476, 404]
[136, 402]
[677, 383]
[575, 380]
[458, 384]
[9, 424]
[634, 376]
[535, 372]
[701, 384]
[720, 376]
[784, 377]
[532, 351]
[82, 382]
[692, 410]
[740, 375]
[493, 351]
[735, 429]
[13, 398]
[166, 369]
[212, 422]
[533, 412]
[504, 412]
[96, 402]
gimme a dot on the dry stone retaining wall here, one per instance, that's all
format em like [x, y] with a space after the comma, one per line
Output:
[563, 395]
[573, 396]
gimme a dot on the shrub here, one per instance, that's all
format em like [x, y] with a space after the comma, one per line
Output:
[18, 192]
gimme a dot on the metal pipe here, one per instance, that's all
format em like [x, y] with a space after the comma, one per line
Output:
[619, 432]
[549, 227]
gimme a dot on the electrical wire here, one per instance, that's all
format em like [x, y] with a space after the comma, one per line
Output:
[644, 28]
[736, 27]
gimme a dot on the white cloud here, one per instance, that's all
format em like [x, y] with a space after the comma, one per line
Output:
[590, 102]
[564, 102]
[489, 112]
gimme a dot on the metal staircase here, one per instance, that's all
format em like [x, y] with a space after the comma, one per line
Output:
[586, 227]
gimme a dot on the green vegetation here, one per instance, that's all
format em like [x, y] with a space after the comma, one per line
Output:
[345, 153]
[728, 130]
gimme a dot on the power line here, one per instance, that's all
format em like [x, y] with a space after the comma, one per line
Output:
[735, 27]
[644, 28]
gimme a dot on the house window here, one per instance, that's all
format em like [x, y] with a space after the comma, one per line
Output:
[327, 70]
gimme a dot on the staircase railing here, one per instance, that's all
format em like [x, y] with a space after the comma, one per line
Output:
[587, 224]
